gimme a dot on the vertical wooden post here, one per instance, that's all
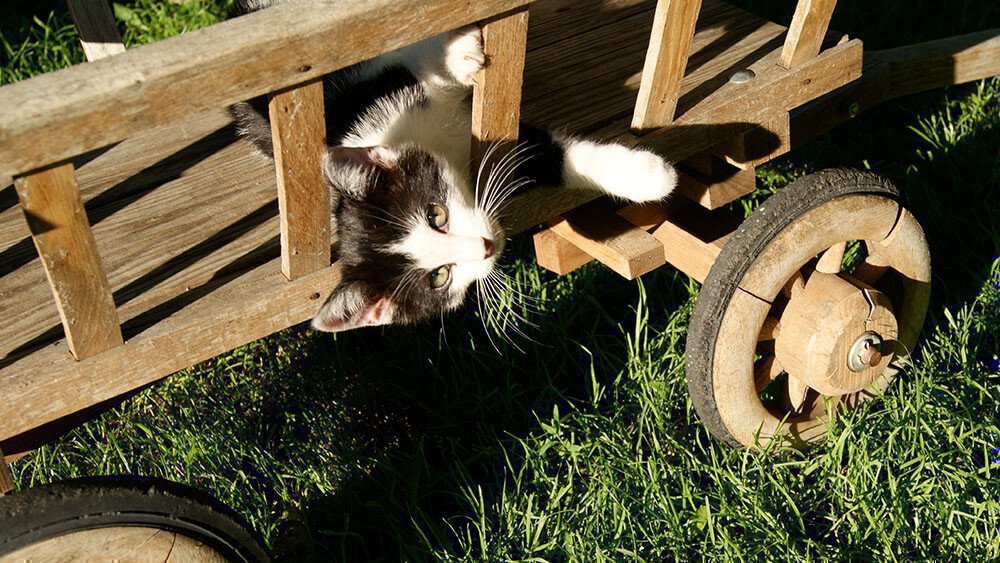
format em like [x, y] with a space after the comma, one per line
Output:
[6, 479]
[298, 128]
[666, 60]
[96, 25]
[50, 199]
[496, 95]
[806, 33]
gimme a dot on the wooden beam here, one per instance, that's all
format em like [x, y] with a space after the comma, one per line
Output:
[496, 94]
[734, 109]
[95, 23]
[6, 478]
[758, 145]
[556, 254]
[205, 328]
[50, 200]
[598, 231]
[693, 237]
[666, 60]
[61, 114]
[806, 33]
[298, 129]
[712, 192]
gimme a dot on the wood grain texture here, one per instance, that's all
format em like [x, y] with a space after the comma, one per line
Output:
[693, 237]
[96, 25]
[64, 113]
[712, 192]
[666, 60]
[556, 254]
[598, 231]
[123, 543]
[298, 129]
[496, 95]
[806, 32]
[758, 145]
[50, 200]
[6, 479]
[249, 306]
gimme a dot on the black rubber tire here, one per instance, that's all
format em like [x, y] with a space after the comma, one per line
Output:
[40, 513]
[776, 214]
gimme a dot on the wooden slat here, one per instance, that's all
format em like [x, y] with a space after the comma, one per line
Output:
[50, 200]
[496, 95]
[666, 60]
[598, 231]
[758, 145]
[6, 479]
[251, 306]
[806, 33]
[298, 129]
[728, 184]
[96, 25]
[68, 112]
[556, 254]
[693, 237]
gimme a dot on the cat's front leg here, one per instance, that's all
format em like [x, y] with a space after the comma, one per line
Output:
[627, 173]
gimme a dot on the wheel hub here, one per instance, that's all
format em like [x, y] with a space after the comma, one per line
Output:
[833, 335]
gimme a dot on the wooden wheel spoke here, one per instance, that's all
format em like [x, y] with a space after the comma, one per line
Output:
[767, 370]
[769, 331]
[795, 284]
[832, 258]
[874, 266]
[797, 392]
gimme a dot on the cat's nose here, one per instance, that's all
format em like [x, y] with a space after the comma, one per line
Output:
[488, 247]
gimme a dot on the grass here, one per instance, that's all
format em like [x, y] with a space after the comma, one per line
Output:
[425, 443]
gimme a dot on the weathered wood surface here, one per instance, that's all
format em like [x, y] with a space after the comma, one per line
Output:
[65, 113]
[49, 384]
[6, 479]
[95, 23]
[124, 543]
[298, 129]
[496, 95]
[598, 231]
[807, 30]
[50, 200]
[727, 184]
[666, 61]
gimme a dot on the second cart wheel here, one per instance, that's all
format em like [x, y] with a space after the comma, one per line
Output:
[813, 305]
[122, 519]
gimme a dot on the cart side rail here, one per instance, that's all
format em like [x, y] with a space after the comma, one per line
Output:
[58, 115]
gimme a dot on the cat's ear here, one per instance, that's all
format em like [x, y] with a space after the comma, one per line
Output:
[352, 306]
[352, 170]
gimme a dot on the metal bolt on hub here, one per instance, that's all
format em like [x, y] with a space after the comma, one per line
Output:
[866, 352]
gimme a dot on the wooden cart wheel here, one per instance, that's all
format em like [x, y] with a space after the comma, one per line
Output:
[122, 519]
[814, 304]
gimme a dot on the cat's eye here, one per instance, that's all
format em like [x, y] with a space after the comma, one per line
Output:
[440, 277]
[437, 216]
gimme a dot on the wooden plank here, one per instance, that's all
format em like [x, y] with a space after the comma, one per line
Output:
[496, 94]
[935, 64]
[693, 237]
[734, 109]
[267, 302]
[727, 185]
[298, 129]
[598, 231]
[50, 200]
[666, 60]
[556, 254]
[6, 479]
[96, 25]
[758, 145]
[64, 113]
[806, 33]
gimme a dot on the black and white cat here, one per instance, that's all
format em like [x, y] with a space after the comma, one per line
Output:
[416, 228]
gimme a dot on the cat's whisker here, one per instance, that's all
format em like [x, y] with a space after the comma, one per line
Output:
[482, 166]
[506, 166]
[502, 287]
[482, 316]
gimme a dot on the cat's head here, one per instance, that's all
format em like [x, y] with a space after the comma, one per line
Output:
[412, 240]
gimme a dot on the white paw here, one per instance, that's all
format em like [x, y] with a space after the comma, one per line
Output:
[631, 174]
[463, 54]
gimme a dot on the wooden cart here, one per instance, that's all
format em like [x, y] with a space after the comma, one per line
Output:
[138, 236]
